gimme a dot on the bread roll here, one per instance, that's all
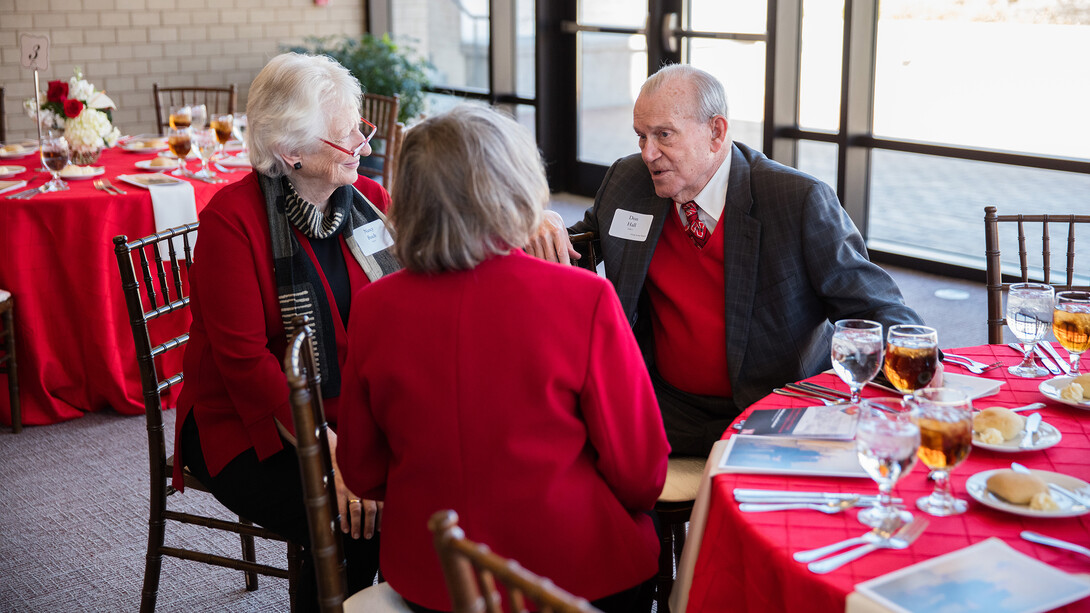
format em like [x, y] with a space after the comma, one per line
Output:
[1083, 380]
[1006, 421]
[1016, 488]
[162, 162]
[1074, 392]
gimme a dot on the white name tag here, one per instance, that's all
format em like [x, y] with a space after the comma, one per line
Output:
[630, 226]
[373, 237]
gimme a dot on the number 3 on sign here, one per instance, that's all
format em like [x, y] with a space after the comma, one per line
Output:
[35, 50]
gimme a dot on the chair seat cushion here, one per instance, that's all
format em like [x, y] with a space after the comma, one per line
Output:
[682, 479]
[377, 598]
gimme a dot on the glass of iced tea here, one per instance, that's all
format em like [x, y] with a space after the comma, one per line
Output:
[180, 117]
[945, 418]
[1071, 324]
[224, 126]
[55, 154]
[180, 142]
[912, 357]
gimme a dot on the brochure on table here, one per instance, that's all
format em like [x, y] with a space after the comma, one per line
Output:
[791, 456]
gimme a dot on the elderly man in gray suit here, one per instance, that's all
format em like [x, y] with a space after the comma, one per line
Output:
[731, 267]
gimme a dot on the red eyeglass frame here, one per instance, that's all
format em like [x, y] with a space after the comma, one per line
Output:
[366, 140]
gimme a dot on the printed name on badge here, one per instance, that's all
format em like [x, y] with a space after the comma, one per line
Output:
[373, 237]
[630, 226]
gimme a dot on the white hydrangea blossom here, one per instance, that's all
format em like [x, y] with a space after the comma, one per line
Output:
[91, 129]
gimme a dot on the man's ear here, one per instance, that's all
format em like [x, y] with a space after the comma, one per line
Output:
[719, 128]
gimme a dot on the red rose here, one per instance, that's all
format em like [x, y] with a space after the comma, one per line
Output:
[58, 91]
[72, 108]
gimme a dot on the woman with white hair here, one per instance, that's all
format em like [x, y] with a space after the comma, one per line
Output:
[504, 387]
[295, 237]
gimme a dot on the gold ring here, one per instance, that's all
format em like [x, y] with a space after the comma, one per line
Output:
[351, 500]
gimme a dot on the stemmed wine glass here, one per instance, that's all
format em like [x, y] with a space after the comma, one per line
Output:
[912, 357]
[886, 444]
[224, 127]
[240, 130]
[945, 418]
[1071, 324]
[180, 143]
[1029, 316]
[180, 117]
[204, 145]
[857, 349]
[199, 114]
[55, 154]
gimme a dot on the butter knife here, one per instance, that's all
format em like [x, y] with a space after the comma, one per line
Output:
[26, 193]
[1033, 422]
[1062, 363]
[1049, 364]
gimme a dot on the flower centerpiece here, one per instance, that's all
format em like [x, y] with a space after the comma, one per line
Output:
[82, 112]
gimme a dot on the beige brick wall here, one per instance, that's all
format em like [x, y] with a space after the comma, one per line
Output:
[123, 46]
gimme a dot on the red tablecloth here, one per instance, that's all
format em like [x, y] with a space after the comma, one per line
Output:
[745, 564]
[75, 347]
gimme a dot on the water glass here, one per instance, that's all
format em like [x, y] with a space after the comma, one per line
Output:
[1071, 324]
[945, 418]
[857, 350]
[887, 446]
[1029, 316]
[55, 155]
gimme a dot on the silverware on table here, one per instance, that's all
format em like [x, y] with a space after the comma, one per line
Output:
[116, 189]
[825, 390]
[1054, 542]
[809, 555]
[900, 539]
[1062, 363]
[802, 389]
[222, 168]
[1029, 436]
[1029, 407]
[1049, 364]
[767, 496]
[827, 506]
[786, 392]
[1018, 348]
[106, 186]
[26, 193]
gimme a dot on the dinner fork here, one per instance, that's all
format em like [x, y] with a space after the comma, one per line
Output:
[900, 540]
[101, 186]
[970, 364]
[116, 189]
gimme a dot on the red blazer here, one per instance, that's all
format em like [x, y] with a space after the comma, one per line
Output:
[515, 394]
[233, 379]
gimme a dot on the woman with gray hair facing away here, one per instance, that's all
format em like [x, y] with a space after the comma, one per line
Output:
[297, 236]
[504, 387]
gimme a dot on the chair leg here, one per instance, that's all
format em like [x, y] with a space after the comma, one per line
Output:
[664, 580]
[294, 565]
[154, 559]
[248, 555]
[13, 375]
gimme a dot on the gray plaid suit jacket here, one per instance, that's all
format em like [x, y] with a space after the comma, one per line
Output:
[794, 262]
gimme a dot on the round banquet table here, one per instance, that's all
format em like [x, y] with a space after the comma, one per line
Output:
[74, 343]
[744, 561]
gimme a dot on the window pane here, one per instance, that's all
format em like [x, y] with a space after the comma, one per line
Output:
[985, 74]
[934, 206]
[818, 159]
[738, 16]
[820, 64]
[741, 68]
[611, 69]
[525, 40]
[616, 13]
[453, 35]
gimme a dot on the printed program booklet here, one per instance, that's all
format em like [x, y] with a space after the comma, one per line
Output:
[835, 421]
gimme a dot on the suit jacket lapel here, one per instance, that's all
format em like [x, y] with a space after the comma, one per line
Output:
[627, 261]
[741, 247]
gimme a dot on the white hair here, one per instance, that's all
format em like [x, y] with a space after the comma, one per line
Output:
[711, 100]
[289, 107]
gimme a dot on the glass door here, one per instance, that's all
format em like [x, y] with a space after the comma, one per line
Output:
[613, 45]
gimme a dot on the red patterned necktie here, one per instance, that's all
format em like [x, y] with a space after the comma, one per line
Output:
[696, 229]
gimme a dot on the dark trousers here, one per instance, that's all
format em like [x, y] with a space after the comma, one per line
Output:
[693, 423]
[270, 494]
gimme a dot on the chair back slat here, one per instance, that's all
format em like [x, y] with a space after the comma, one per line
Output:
[316, 467]
[217, 100]
[382, 111]
[471, 571]
[996, 282]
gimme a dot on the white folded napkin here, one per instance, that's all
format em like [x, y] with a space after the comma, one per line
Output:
[237, 161]
[173, 205]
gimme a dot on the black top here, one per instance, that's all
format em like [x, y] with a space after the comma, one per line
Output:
[331, 259]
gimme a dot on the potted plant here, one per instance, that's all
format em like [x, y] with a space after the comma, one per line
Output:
[381, 66]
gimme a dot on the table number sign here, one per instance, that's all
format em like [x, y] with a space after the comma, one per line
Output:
[35, 56]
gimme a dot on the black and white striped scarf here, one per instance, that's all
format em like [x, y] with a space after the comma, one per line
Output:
[297, 280]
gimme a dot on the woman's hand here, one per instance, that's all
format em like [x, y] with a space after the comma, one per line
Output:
[357, 515]
[551, 241]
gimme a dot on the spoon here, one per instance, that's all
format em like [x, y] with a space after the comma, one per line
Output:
[1054, 542]
[828, 507]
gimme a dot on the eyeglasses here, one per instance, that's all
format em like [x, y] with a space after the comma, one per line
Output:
[366, 139]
